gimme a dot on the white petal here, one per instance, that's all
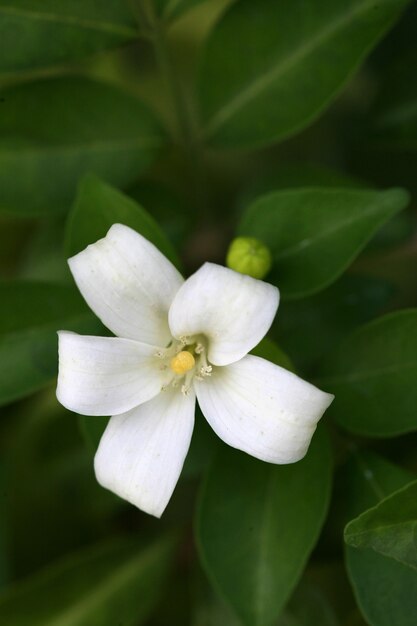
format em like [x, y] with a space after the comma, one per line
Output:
[262, 409]
[106, 375]
[232, 310]
[141, 453]
[128, 284]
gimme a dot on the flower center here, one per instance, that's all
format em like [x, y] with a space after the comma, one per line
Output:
[182, 362]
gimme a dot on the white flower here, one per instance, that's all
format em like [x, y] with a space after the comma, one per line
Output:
[176, 340]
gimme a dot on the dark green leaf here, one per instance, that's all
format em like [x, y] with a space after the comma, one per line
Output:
[314, 234]
[50, 474]
[204, 444]
[384, 588]
[291, 175]
[208, 608]
[44, 257]
[373, 376]
[174, 216]
[389, 528]
[98, 206]
[310, 331]
[368, 478]
[308, 607]
[268, 349]
[296, 175]
[38, 33]
[92, 429]
[56, 130]
[118, 583]
[271, 67]
[257, 524]
[27, 305]
[30, 315]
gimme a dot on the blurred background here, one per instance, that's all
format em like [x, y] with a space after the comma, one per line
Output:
[71, 553]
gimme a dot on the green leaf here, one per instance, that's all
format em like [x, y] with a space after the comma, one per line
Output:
[269, 350]
[75, 126]
[399, 229]
[204, 444]
[98, 206]
[314, 234]
[257, 524]
[385, 591]
[207, 608]
[390, 528]
[118, 583]
[373, 376]
[310, 331]
[308, 607]
[175, 217]
[295, 175]
[271, 68]
[367, 479]
[30, 315]
[38, 33]
[44, 257]
[384, 588]
[92, 429]
[50, 474]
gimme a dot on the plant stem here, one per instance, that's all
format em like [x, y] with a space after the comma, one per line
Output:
[184, 134]
[156, 30]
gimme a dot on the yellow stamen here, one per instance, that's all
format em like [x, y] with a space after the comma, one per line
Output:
[183, 362]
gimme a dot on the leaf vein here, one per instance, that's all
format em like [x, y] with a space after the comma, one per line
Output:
[253, 90]
[302, 245]
[69, 20]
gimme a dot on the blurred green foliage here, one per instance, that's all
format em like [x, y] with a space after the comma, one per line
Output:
[193, 122]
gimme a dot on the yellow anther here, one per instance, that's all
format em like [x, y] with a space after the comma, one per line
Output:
[183, 362]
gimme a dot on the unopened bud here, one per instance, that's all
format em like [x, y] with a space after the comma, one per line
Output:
[250, 256]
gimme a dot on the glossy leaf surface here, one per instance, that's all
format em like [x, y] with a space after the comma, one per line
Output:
[98, 206]
[257, 524]
[55, 130]
[271, 67]
[38, 33]
[314, 234]
[385, 589]
[390, 528]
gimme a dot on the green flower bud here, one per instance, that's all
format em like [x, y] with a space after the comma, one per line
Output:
[248, 255]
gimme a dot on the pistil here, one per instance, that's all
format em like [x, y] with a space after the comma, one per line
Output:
[184, 360]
